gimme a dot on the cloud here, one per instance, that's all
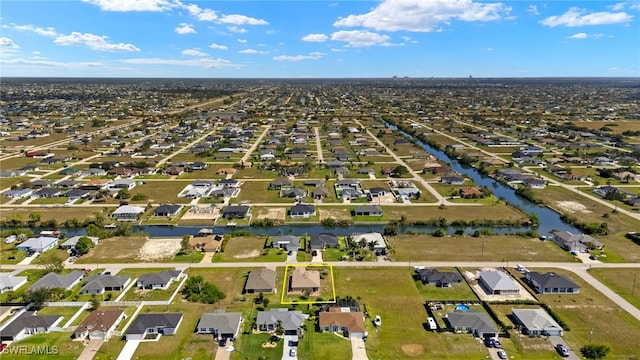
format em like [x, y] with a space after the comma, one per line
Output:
[360, 38]
[206, 63]
[6, 43]
[533, 10]
[201, 14]
[253, 51]
[315, 38]
[236, 29]
[133, 5]
[296, 58]
[576, 17]
[236, 19]
[185, 28]
[585, 36]
[218, 46]
[242, 41]
[194, 52]
[423, 16]
[48, 31]
[93, 42]
[632, 4]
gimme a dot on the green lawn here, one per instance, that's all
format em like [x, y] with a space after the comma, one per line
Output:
[625, 282]
[114, 250]
[59, 344]
[249, 248]
[318, 346]
[249, 347]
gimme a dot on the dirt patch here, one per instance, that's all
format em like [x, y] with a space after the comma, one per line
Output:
[158, 249]
[573, 207]
[338, 214]
[248, 254]
[412, 349]
[272, 213]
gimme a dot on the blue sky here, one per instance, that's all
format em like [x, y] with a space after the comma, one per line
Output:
[262, 39]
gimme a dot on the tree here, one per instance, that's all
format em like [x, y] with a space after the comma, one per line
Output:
[390, 230]
[595, 351]
[37, 297]
[123, 194]
[279, 328]
[184, 243]
[52, 262]
[198, 290]
[84, 245]
[400, 171]
[34, 218]
[95, 302]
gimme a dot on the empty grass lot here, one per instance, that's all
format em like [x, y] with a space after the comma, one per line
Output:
[467, 248]
[625, 282]
[591, 311]
[50, 213]
[323, 346]
[401, 307]
[162, 191]
[249, 248]
[114, 250]
[452, 213]
[67, 348]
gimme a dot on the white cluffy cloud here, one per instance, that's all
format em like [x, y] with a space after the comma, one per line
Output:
[194, 52]
[577, 17]
[253, 51]
[236, 19]
[133, 5]
[360, 38]
[6, 43]
[585, 36]
[231, 19]
[423, 16]
[206, 63]
[218, 46]
[315, 38]
[185, 28]
[93, 42]
[296, 58]
[48, 31]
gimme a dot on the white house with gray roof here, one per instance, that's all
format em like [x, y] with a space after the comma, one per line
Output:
[53, 280]
[149, 324]
[8, 282]
[552, 283]
[291, 320]
[160, 280]
[536, 322]
[474, 322]
[497, 283]
[105, 282]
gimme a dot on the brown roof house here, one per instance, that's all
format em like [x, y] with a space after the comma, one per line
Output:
[261, 280]
[350, 324]
[205, 241]
[302, 280]
[100, 324]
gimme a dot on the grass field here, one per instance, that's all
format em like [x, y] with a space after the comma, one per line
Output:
[624, 282]
[161, 191]
[114, 250]
[467, 248]
[252, 346]
[249, 248]
[59, 214]
[59, 344]
[323, 346]
[452, 213]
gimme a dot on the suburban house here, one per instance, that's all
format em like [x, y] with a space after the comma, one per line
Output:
[39, 244]
[576, 242]
[368, 210]
[474, 322]
[235, 212]
[53, 281]
[534, 183]
[221, 324]
[18, 193]
[439, 278]
[287, 242]
[99, 324]
[261, 280]
[11, 283]
[323, 240]
[73, 241]
[205, 240]
[536, 322]
[350, 324]
[552, 283]
[302, 211]
[120, 184]
[379, 244]
[497, 283]
[160, 280]
[280, 183]
[27, 324]
[452, 180]
[105, 282]
[167, 210]
[127, 213]
[302, 280]
[291, 321]
[149, 324]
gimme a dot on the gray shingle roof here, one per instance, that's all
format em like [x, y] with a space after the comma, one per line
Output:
[146, 321]
[53, 280]
[223, 322]
[291, 320]
[261, 279]
[28, 319]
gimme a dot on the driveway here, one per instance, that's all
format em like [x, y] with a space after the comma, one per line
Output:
[223, 352]
[293, 258]
[288, 340]
[128, 350]
[358, 349]
[90, 349]
[555, 340]
[318, 257]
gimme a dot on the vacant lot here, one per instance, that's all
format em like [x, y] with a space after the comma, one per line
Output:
[67, 348]
[495, 212]
[625, 282]
[161, 191]
[338, 213]
[277, 214]
[115, 250]
[467, 248]
[249, 248]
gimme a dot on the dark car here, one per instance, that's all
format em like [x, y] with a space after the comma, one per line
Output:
[562, 350]
[223, 342]
[489, 342]
[592, 257]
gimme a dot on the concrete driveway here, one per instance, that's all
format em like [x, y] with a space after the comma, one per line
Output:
[90, 349]
[358, 349]
[318, 257]
[293, 258]
[555, 340]
[288, 341]
[128, 350]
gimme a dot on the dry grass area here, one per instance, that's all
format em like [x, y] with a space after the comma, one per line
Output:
[467, 248]
[243, 248]
[115, 250]
[618, 126]
[336, 213]
[573, 207]
[451, 213]
[278, 214]
[159, 249]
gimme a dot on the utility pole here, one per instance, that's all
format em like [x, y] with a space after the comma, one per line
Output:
[633, 288]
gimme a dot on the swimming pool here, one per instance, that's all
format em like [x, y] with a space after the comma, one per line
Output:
[462, 307]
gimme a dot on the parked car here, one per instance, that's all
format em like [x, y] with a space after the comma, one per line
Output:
[502, 354]
[592, 257]
[223, 342]
[497, 344]
[293, 352]
[562, 350]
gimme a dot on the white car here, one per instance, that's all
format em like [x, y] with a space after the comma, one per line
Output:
[377, 321]
[293, 352]
[502, 354]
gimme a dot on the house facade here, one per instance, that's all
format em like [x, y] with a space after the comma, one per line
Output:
[150, 324]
